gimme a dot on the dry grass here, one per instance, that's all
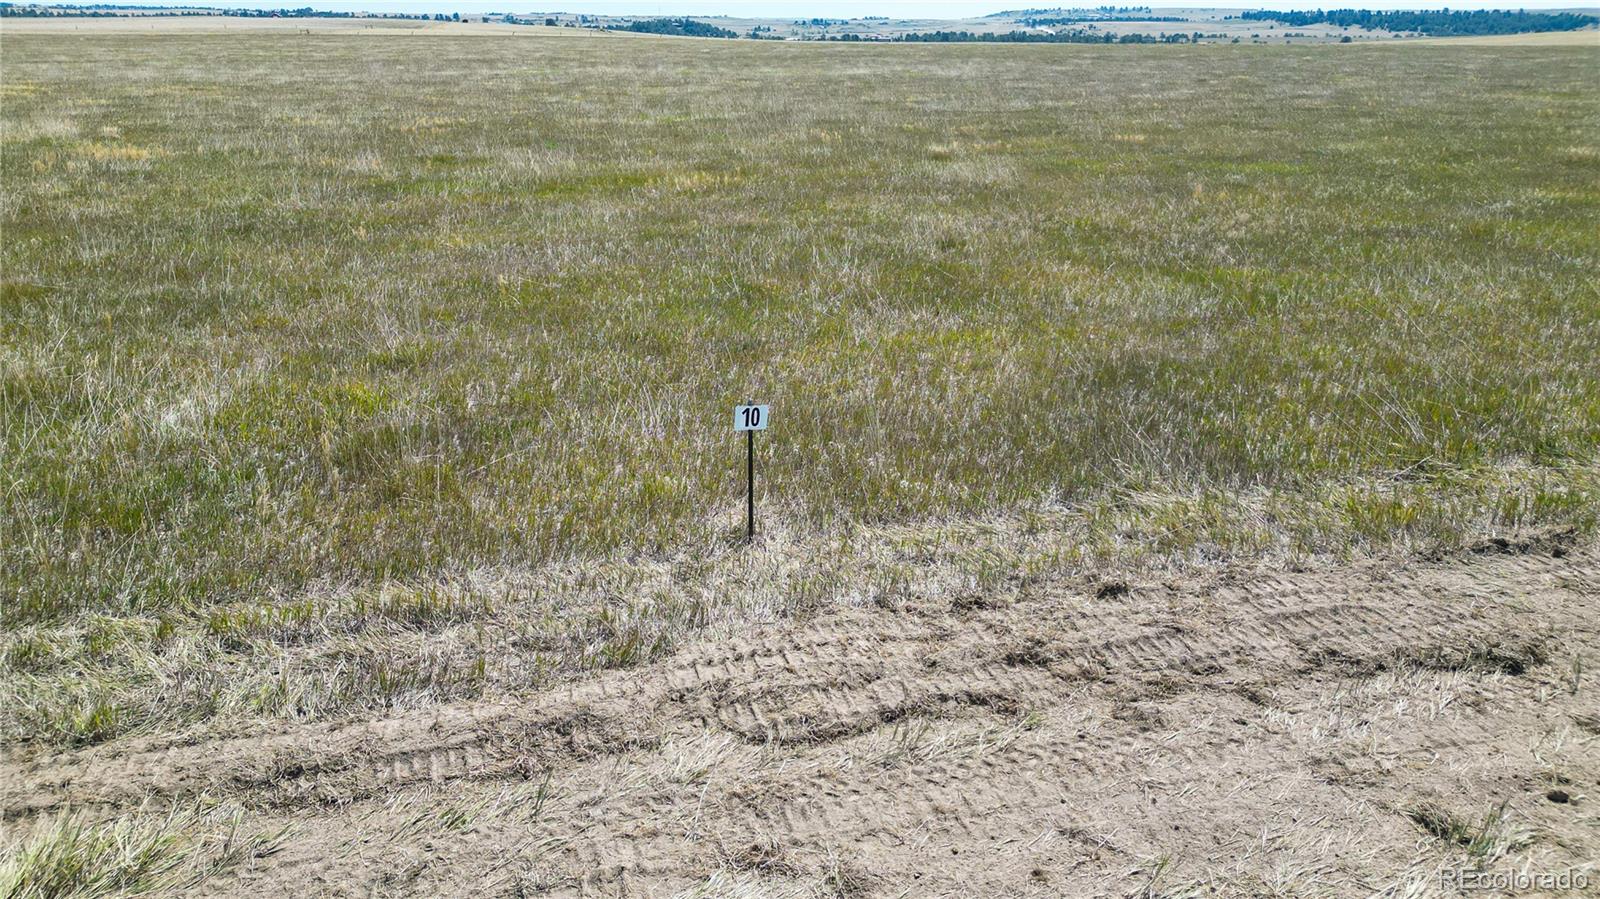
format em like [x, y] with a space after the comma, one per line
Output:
[329, 382]
[495, 631]
[142, 851]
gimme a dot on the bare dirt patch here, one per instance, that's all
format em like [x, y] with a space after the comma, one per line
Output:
[1344, 731]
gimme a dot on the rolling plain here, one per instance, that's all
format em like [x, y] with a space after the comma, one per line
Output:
[1184, 473]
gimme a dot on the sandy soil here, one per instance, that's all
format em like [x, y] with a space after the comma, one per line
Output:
[1298, 733]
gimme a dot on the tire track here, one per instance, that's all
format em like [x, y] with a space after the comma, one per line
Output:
[844, 676]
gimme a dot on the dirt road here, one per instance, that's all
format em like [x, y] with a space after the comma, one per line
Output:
[1337, 732]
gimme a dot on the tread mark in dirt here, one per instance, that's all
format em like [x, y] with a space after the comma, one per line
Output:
[834, 679]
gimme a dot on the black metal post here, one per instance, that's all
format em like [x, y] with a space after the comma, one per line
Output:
[750, 485]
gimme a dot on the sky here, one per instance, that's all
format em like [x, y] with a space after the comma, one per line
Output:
[795, 9]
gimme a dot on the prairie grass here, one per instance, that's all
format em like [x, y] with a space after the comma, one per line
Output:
[1482, 841]
[141, 851]
[342, 372]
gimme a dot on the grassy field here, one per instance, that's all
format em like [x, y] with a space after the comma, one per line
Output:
[343, 371]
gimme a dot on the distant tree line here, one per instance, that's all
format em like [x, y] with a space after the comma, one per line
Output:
[1061, 11]
[679, 27]
[110, 11]
[1079, 36]
[104, 6]
[10, 11]
[96, 11]
[1439, 22]
[1080, 20]
[304, 12]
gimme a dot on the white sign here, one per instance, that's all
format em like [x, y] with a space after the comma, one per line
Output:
[749, 418]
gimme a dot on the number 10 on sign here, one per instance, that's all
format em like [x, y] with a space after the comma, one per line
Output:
[749, 419]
